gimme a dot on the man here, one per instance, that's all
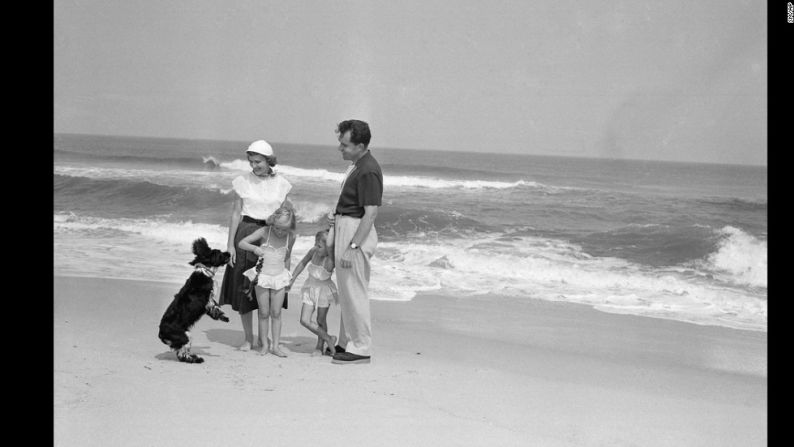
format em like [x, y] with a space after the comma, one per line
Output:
[355, 240]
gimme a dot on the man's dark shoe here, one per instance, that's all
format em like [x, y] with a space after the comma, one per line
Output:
[337, 348]
[343, 358]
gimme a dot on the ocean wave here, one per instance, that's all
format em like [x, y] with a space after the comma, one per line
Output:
[393, 180]
[312, 212]
[212, 168]
[739, 258]
[167, 177]
[652, 244]
[524, 266]
[735, 204]
[560, 271]
[141, 159]
[127, 248]
[210, 161]
[180, 233]
[143, 198]
[135, 198]
[395, 221]
[445, 171]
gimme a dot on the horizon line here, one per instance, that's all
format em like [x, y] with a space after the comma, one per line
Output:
[584, 157]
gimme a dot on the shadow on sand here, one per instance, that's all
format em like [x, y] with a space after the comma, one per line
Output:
[171, 355]
[235, 338]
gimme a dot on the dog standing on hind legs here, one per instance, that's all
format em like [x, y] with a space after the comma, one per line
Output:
[193, 301]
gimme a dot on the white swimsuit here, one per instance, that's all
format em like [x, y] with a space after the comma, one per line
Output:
[319, 290]
[273, 275]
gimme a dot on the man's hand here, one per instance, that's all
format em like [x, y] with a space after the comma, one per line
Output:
[347, 258]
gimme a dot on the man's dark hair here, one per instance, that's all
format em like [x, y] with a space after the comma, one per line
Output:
[359, 131]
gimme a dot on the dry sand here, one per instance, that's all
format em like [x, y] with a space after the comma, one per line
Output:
[446, 371]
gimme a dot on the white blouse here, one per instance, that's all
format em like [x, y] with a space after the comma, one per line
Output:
[261, 196]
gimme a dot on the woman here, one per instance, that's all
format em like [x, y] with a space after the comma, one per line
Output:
[257, 195]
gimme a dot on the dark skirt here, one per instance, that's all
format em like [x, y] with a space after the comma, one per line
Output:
[234, 284]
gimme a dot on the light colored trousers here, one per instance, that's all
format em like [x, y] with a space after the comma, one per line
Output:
[355, 329]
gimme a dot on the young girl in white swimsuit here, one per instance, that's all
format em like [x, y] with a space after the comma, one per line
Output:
[318, 292]
[271, 274]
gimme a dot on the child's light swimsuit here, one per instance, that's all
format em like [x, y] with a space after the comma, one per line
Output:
[273, 274]
[318, 290]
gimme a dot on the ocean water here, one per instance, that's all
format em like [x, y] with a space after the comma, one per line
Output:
[686, 242]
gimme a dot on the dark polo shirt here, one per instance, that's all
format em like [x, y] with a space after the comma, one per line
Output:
[363, 187]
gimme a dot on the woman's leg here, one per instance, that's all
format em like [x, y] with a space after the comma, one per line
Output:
[248, 330]
[276, 301]
[263, 299]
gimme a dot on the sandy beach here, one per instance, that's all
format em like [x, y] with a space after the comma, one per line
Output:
[446, 371]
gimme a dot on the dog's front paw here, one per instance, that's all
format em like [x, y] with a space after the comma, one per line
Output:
[216, 313]
[189, 357]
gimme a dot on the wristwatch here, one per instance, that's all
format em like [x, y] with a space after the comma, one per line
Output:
[353, 245]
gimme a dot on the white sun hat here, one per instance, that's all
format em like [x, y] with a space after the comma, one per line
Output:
[261, 147]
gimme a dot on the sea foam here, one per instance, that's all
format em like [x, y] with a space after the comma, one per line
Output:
[390, 180]
[524, 266]
[740, 258]
[236, 167]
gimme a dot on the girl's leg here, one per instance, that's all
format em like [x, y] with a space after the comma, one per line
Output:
[276, 300]
[306, 321]
[248, 330]
[263, 299]
[318, 348]
[260, 339]
[322, 314]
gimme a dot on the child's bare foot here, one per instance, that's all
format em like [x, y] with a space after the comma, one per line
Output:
[317, 353]
[278, 352]
[245, 346]
[332, 345]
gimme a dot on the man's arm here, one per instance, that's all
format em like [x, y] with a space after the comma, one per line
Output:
[364, 227]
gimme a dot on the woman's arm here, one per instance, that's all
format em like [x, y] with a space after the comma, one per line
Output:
[247, 243]
[234, 222]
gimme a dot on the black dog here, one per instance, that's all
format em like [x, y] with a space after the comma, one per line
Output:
[193, 301]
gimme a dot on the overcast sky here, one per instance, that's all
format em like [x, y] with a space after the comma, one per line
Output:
[673, 80]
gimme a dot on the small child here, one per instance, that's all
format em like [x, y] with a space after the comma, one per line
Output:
[271, 275]
[318, 292]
